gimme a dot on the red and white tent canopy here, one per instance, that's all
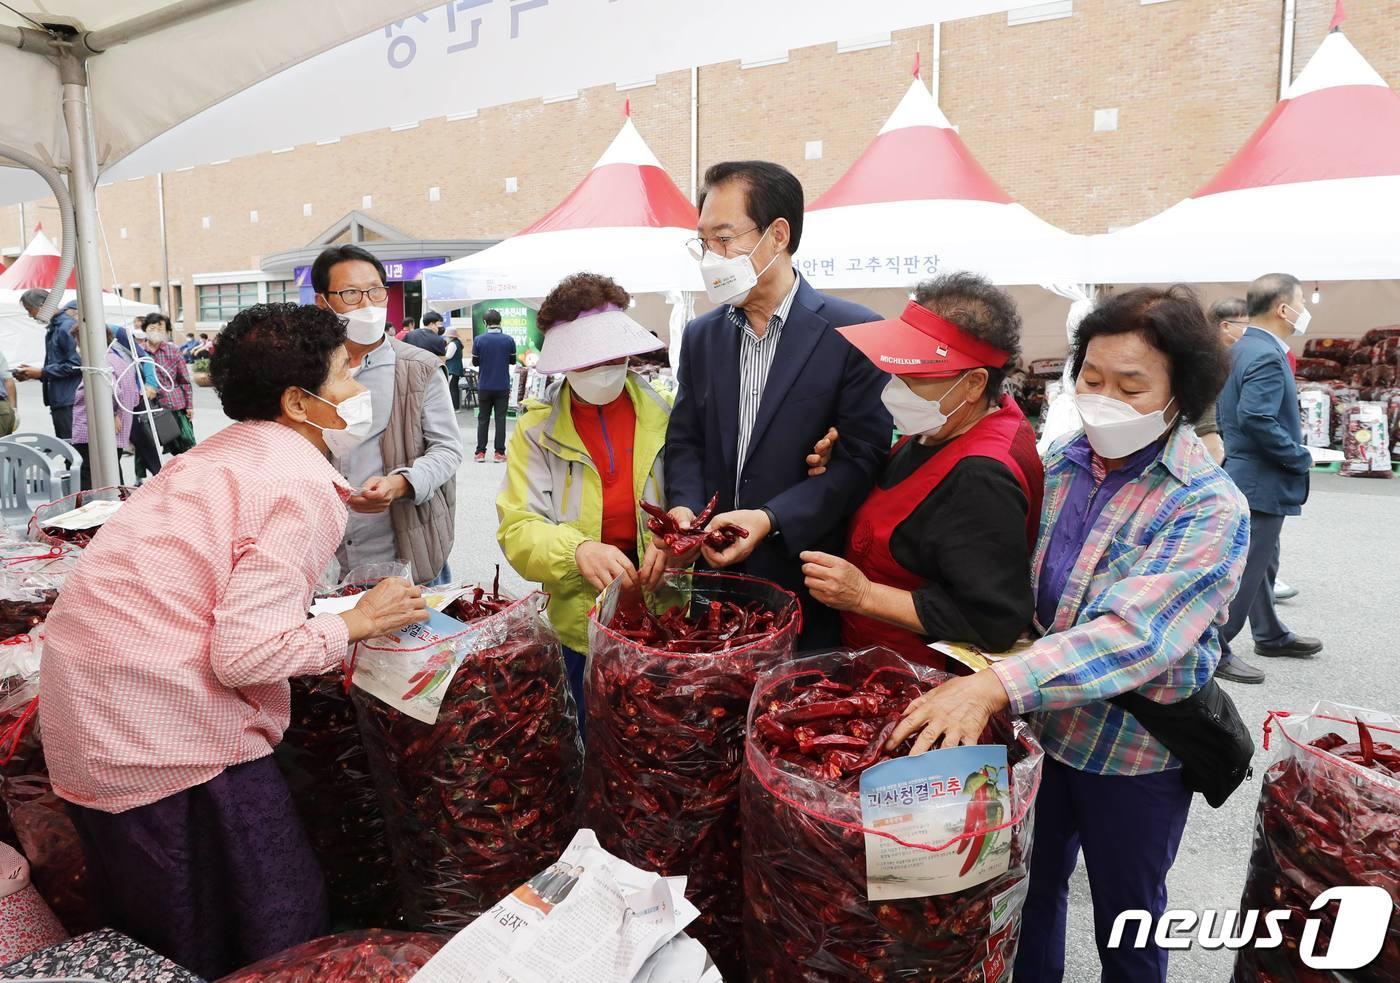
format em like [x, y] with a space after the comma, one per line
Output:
[917, 202]
[1314, 192]
[626, 219]
[35, 267]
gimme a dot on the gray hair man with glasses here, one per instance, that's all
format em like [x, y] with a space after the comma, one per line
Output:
[405, 470]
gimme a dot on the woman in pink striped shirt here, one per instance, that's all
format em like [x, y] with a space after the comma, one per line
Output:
[167, 658]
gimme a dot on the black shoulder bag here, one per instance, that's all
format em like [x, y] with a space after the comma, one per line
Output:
[1205, 733]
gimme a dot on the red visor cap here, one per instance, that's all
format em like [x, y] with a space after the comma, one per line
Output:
[920, 343]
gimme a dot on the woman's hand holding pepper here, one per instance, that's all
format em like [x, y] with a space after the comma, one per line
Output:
[957, 712]
[601, 564]
[389, 605]
[835, 582]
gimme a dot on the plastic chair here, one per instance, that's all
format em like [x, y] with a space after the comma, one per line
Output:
[66, 459]
[26, 482]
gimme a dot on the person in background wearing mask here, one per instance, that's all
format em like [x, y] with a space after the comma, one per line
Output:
[174, 389]
[62, 370]
[1265, 455]
[427, 337]
[583, 459]
[941, 549]
[126, 392]
[1229, 316]
[403, 449]
[161, 708]
[493, 353]
[1142, 544]
[453, 366]
[190, 344]
[763, 377]
[128, 345]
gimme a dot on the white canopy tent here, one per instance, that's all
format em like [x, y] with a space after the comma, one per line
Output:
[626, 219]
[1314, 192]
[83, 100]
[917, 202]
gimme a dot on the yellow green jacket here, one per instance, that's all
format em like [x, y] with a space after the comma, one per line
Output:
[552, 498]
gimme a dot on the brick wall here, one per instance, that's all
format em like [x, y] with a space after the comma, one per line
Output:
[1190, 80]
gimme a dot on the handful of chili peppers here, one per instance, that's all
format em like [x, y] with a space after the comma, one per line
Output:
[678, 541]
[815, 725]
[1327, 818]
[667, 700]
[478, 802]
[378, 955]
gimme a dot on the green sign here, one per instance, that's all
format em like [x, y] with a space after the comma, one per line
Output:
[517, 320]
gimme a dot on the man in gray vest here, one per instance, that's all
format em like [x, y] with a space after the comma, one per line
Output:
[406, 469]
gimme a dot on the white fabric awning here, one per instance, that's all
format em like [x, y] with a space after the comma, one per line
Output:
[258, 75]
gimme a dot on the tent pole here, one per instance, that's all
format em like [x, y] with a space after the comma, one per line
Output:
[82, 183]
[164, 16]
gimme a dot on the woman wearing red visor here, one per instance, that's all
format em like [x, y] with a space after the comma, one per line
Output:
[940, 551]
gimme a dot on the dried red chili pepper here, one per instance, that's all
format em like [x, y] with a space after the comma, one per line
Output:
[667, 701]
[806, 913]
[41, 827]
[481, 800]
[323, 758]
[680, 541]
[378, 955]
[1329, 816]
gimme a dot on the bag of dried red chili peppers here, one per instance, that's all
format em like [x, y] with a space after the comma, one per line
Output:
[322, 756]
[1329, 816]
[74, 532]
[353, 957]
[482, 798]
[668, 692]
[815, 725]
[35, 818]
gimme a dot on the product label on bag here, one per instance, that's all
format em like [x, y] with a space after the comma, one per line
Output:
[937, 799]
[411, 669]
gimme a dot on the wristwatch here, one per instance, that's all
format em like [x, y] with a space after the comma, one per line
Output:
[773, 531]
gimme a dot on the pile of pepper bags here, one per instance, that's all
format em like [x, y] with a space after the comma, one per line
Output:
[815, 725]
[485, 796]
[1329, 816]
[668, 691]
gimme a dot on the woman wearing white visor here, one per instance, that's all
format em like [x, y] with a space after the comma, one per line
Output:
[583, 458]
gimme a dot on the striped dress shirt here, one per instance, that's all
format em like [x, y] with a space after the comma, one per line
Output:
[755, 359]
[1142, 610]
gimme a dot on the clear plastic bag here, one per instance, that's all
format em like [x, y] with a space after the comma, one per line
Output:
[1367, 441]
[35, 819]
[666, 742]
[806, 912]
[353, 957]
[1323, 821]
[42, 533]
[483, 798]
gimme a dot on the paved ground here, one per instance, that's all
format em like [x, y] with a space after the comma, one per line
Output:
[1341, 556]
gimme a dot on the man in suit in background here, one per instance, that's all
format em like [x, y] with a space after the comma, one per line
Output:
[1265, 455]
[762, 378]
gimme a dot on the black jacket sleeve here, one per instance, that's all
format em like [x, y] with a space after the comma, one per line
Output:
[968, 539]
[685, 437]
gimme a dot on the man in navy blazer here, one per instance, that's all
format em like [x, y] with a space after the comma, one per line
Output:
[761, 379]
[1265, 455]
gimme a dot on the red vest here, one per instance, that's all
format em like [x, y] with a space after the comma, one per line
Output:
[1003, 436]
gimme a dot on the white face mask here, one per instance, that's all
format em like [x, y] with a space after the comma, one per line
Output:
[1301, 322]
[358, 414]
[365, 325]
[599, 385]
[156, 338]
[914, 415]
[730, 279]
[1116, 430]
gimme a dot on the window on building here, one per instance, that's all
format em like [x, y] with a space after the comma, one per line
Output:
[221, 301]
[177, 301]
[283, 292]
[135, 292]
[155, 294]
